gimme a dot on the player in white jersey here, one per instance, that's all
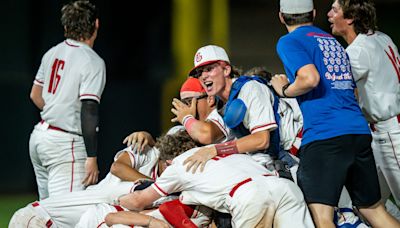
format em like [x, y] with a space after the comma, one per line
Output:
[212, 67]
[234, 184]
[67, 89]
[375, 63]
[66, 210]
[129, 166]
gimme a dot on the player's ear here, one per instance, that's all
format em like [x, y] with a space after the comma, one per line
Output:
[281, 18]
[97, 23]
[168, 162]
[227, 70]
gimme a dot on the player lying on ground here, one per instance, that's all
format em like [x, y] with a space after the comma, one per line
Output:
[98, 215]
[234, 184]
[66, 210]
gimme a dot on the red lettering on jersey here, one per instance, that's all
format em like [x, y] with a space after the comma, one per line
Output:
[55, 77]
[395, 61]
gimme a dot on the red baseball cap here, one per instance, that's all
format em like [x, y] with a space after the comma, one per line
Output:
[192, 88]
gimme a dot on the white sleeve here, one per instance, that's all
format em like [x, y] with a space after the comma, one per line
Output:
[139, 160]
[217, 119]
[258, 100]
[93, 81]
[359, 61]
[169, 182]
[39, 78]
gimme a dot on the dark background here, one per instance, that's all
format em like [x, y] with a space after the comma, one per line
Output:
[136, 44]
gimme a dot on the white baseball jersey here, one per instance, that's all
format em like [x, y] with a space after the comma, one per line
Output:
[69, 72]
[65, 210]
[375, 63]
[238, 185]
[258, 99]
[291, 123]
[217, 119]
[94, 217]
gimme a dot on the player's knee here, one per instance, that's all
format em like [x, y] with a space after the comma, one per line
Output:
[27, 217]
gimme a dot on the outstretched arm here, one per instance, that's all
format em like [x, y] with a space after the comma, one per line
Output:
[133, 218]
[253, 142]
[138, 200]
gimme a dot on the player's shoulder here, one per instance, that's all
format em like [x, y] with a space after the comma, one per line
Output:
[179, 159]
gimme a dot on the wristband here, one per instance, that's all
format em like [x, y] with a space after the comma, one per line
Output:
[284, 89]
[227, 148]
[188, 121]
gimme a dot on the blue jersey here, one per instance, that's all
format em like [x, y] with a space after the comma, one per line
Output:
[331, 108]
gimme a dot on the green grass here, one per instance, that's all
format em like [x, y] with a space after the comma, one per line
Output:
[10, 203]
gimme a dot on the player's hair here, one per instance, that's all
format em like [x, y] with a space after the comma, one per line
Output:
[171, 146]
[362, 12]
[79, 20]
[235, 72]
[296, 19]
[259, 71]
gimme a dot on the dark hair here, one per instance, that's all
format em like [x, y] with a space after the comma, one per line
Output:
[235, 72]
[296, 19]
[79, 20]
[362, 12]
[171, 146]
[259, 71]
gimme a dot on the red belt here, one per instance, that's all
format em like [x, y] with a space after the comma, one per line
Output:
[55, 128]
[59, 129]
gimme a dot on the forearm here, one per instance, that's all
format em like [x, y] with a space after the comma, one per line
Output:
[125, 172]
[307, 78]
[204, 132]
[249, 143]
[296, 89]
[36, 96]
[128, 218]
[89, 124]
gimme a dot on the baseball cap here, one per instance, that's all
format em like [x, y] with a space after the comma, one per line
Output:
[207, 55]
[192, 88]
[296, 6]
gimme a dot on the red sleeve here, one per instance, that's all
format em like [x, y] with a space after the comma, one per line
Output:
[177, 214]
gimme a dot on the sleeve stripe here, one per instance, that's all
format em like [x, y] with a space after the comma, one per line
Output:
[91, 96]
[37, 82]
[132, 158]
[159, 190]
[262, 126]
[220, 126]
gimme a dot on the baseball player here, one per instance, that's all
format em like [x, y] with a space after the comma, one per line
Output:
[65, 210]
[234, 184]
[105, 215]
[336, 148]
[67, 89]
[212, 67]
[375, 65]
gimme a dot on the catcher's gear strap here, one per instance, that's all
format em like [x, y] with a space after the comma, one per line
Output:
[177, 214]
[89, 123]
[235, 118]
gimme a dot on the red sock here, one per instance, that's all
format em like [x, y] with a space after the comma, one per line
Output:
[177, 214]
